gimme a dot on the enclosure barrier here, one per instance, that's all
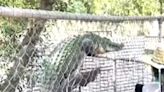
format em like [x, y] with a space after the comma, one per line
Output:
[34, 62]
[43, 14]
[29, 13]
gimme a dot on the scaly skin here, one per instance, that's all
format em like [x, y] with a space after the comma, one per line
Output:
[72, 55]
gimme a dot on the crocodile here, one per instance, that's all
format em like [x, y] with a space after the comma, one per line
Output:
[70, 58]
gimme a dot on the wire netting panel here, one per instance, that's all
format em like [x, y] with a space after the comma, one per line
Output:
[46, 56]
[119, 75]
[128, 74]
[104, 81]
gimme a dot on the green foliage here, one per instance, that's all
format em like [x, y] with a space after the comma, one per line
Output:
[126, 7]
[114, 7]
[9, 31]
[148, 7]
[60, 5]
[10, 27]
[77, 6]
[20, 3]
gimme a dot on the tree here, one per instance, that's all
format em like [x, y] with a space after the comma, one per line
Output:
[26, 51]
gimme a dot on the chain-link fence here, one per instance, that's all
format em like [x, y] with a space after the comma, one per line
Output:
[74, 53]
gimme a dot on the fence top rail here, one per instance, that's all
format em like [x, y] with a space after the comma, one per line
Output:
[43, 14]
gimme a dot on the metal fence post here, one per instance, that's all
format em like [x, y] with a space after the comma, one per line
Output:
[160, 21]
[79, 88]
[114, 75]
[160, 29]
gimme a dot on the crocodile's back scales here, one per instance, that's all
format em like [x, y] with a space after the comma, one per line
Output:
[69, 59]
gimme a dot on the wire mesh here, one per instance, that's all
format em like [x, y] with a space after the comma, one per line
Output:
[47, 56]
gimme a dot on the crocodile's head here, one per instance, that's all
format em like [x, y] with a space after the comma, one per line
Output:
[101, 50]
[116, 47]
[94, 44]
[106, 45]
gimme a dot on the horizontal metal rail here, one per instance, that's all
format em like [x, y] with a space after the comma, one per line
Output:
[43, 14]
